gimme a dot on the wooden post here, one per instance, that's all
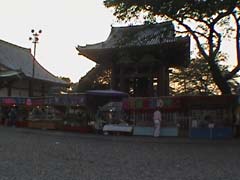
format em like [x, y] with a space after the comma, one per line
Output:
[163, 81]
[9, 88]
[150, 86]
[113, 83]
[122, 80]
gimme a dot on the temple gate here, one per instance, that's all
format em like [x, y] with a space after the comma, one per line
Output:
[140, 57]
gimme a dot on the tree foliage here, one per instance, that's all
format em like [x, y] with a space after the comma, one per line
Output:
[69, 84]
[97, 78]
[207, 21]
[66, 79]
[197, 79]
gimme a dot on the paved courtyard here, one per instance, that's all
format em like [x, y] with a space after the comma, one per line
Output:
[27, 154]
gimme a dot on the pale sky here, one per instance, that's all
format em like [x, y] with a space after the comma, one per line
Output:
[64, 24]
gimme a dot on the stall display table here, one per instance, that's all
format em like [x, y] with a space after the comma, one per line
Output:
[42, 124]
[148, 131]
[117, 128]
[211, 133]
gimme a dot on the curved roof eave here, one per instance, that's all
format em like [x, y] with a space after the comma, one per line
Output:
[18, 58]
[99, 53]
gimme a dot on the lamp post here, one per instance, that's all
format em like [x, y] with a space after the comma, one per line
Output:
[35, 40]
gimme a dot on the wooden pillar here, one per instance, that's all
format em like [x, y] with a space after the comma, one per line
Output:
[150, 86]
[163, 81]
[159, 84]
[113, 83]
[30, 88]
[167, 81]
[9, 89]
[43, 90]
[122, 79]
[134, 80]
[126, 85]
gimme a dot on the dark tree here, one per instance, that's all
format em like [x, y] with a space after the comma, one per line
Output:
[69, 84]
[207, 21]
[97, 78]
[197, 79]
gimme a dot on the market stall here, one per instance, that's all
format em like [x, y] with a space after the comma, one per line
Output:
[211, 117]
[64, 112]
[98, 98]
[193, 116]
[111, 118]
[140, 111]
[41, 113]
[16, 105]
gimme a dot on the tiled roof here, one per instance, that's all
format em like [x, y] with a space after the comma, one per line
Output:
[17, 58]
[132, 36]
[159, 37]
[11, 73]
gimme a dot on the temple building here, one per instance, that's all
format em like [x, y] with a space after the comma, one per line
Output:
[140, 57]
[21, 75]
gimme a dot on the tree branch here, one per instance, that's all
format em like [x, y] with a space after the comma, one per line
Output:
[218, 43]
[232, 73]
[237, 21]
[201, 49]
[237, 68]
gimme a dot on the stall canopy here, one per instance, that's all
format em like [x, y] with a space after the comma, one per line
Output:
[107, 93]
[98, 98]
[112, 106]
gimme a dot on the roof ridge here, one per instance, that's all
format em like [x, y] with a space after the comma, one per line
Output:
[142, 25]
[27, 51]
[17, 46]
[36, 61]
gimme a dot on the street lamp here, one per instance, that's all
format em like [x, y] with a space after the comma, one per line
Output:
[35, 40]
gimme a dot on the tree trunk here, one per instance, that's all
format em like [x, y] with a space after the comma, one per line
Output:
[218, 78]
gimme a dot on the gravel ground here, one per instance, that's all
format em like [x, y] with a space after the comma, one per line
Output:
[27, 154]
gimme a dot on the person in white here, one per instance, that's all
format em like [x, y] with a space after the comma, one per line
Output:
[157, 118]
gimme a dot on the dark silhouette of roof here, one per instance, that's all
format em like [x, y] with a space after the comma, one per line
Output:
[161, 35]
[132, 36]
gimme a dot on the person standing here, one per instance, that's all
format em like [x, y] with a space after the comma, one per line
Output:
[12, 116]
[236, 123]
[237, 126]
[157, 118]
